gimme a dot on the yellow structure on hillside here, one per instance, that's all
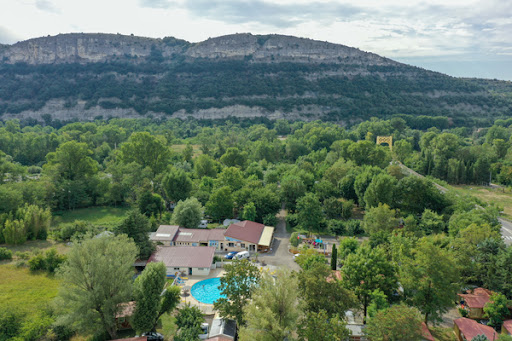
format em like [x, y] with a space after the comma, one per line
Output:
[385, 139]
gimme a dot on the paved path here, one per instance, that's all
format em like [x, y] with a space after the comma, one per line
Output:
[506, 231]
[280, 255]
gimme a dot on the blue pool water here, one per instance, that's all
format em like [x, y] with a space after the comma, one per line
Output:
[207, 291]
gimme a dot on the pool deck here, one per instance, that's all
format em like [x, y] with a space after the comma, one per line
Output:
[205, 308]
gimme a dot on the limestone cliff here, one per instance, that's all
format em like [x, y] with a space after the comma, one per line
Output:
[90, 48]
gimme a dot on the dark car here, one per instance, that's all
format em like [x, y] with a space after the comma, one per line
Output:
[153, 336]
[230, 255]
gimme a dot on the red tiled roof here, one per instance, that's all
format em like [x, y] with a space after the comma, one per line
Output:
[426, 333]
[246, 230]
[508, 326]
[477, 299]
[198, 235]
[220, 338]
[184, 256]
[470, 328]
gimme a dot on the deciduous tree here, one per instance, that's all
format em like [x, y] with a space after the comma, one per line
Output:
[96, 279]
[237, 285]
[273, 310]
[188, 213]
[398, 323]
[367, 270]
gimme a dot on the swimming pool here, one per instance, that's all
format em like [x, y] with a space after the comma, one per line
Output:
[207, 291]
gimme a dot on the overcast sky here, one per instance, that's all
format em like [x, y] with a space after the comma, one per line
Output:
[457, 37]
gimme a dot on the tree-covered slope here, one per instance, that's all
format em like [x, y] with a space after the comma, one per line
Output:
[87, 75]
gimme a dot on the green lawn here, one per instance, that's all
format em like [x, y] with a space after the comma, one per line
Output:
[501, 197]
[30, 245]
[102, 216]
[25, 292]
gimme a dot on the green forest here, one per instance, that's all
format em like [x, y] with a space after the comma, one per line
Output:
[426, 244]
[345, 92]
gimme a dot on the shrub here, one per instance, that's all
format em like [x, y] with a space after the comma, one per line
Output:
[5, 253]
[49, 262]
[354, 227]
[10, 324]
[336, 227]
[294, 240]
[463, 312]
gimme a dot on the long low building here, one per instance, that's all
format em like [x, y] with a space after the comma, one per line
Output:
[191, 260]
[239, 236]
[250, 236]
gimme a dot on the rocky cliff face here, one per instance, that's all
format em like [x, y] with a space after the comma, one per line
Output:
[90, 48]
[83, 76]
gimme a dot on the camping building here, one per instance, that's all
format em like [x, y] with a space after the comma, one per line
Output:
[171, 235]
[475, 301]
[191, 260]
[248, 235]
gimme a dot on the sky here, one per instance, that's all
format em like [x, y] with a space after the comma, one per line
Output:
[462, 38]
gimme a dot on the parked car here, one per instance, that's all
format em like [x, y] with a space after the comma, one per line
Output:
[153, 336]
[242, 255]
[230, 255]
[203, 224]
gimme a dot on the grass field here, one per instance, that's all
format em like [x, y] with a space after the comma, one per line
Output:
[25, 292]
[37, 244]
[499, 196]
[103, 216]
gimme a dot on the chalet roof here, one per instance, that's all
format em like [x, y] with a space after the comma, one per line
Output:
[508, 326]
[248, 231]
[165, 233]
[470, 328]
[223, 328]
[184, 256]
[425, 332]
[199, 235]
[477, 299]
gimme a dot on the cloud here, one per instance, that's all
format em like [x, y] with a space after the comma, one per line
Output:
[7, 37]
[155, 3]
[47, 6]
[278, 15]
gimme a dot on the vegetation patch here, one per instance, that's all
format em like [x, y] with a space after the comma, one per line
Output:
[102, 216]
[27, 293]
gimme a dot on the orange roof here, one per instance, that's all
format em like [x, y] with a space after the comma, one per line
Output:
[220, 338]
[508, 326]
[426, 333]
[470, 328]
[247, 231]
[477, 299]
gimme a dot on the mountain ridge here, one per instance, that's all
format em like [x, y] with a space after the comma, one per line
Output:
[102, 47]
[88, 75]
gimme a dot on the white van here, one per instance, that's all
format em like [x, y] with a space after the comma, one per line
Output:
[242, 255]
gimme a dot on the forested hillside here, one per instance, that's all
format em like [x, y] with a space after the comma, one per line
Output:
[84, 76]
